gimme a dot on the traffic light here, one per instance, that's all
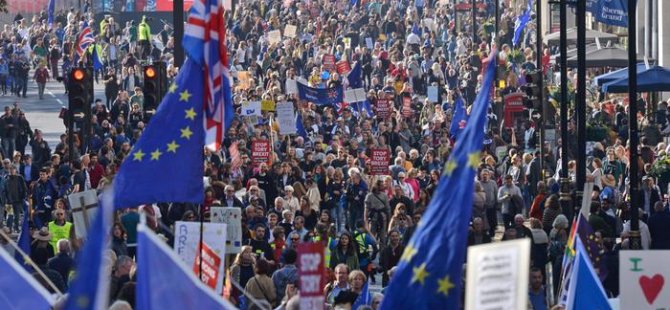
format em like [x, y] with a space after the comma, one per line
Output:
[154, 87]
[532, 90]
[80, 96]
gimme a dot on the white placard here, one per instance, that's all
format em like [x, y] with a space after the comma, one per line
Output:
[187, 237]
[84, 207]
[497, 275]
[250, 108]
[645, 279]
[227, 5]
[232, 217]
[433, 92]
[290, 31]
[286, 118]
[369, 43]
[274, 36]
[354, 95]
[291, 86]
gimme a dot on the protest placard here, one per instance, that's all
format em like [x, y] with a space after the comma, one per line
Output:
[250, 108]
[208, 271]
[347, 42]
[379, 161]
[232, 217]
[291, 86]
[268, 105]
[286, 118]
[187, 238]
[311, 270]
[328, 62]
[383, 108]
[643, 275]
[290, 31]
[407, 107]
[84, 208]
[369, 44]
[497, 275]
[433, 92]
[343, 67]
[261, 152]
[274, 36]
[243, 80]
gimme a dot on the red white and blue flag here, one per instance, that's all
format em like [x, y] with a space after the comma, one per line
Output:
[84, 39]
[204, 42]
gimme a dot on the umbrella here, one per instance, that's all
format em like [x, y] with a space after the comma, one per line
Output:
[604, 57]
[556, 59]
[654, 79]
[591, 35]
[615, 75]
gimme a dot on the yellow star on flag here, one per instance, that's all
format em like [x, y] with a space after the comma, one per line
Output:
[155, 155]
[444, 285]
[172, 146]
[450, 167]
[474, 159]
[419, 274]
[173, 88]
[186, 133]
[184, 96]
[138, 155]
[409, 252]
[190, 114]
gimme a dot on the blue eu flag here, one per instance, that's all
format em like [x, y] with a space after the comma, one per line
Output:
[459, 119]
[521, 23]
[429, 272]
[90, 288]
[24, 239]
[19, 289]
[166, 163]
[321, 96]
[168, 283]
[586, 291]
[354, 76]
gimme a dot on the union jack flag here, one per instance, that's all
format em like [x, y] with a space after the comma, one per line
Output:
[341, 106]
[84, 39]
[204, 42]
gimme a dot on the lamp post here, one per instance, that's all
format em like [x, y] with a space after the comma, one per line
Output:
[540, 83]
[474, 23]
[580, 110]
[635, 242]
[178, 21]
[563, 41]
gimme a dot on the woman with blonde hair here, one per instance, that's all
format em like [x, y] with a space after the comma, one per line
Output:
[242, 270]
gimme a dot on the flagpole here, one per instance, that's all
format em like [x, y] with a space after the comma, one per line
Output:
[26, 258]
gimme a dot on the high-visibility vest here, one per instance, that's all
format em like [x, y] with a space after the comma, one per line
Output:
[360, 240]
[326, 252]
[59, 232]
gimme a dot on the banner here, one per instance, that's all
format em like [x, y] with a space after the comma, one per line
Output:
[250, 108]
[311, 269]
[286, 118]
[232, 217]
[343, 67]
[328, 62]
[321, 96]
[379, 161]
[187, 238]
[384, 108]
[642, 283]
[211, 264]
[261, 152]
[611, 12]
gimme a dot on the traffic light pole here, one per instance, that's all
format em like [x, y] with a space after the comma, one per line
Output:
[540, 84]
[178, 21]
[581, 102]
[565, 104]
[474, 24]
[635, 240]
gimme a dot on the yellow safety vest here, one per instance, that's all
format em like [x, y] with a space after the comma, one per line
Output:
[326, 251]
[59, 232]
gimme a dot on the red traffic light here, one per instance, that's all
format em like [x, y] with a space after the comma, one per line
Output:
[150, 72]
[78, 74]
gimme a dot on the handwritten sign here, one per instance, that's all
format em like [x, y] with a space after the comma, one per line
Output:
[232, 217]
[211, 264]
[328, 62]
[274, 36]
[290, 31]
[379, 161]
[384, 108]
[647, 279]
[260, 152]
[291, 86]
[497, 275]
[286, 118]
[187, 238]
[311, 268]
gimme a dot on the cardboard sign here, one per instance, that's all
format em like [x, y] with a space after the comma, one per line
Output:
[645, 279]
[290, 31]
[379, 161]
[291, 86]
[243, 80]
[261, 151]
[250, 108]
[407, 107]
[286, 118]
[384, 108]
[211, 264]
[355, 95]
[232, 217]
[328, 62]
[311, 267]
[187, 238]
[343, 67]
[274, 36]
[84, 208]
[494, 266]
[268, 105]
[433, 92]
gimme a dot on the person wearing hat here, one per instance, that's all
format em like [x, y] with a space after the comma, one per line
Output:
[42, 240]
[59, 228]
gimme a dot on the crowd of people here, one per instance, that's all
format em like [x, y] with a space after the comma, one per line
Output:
[319, 187]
